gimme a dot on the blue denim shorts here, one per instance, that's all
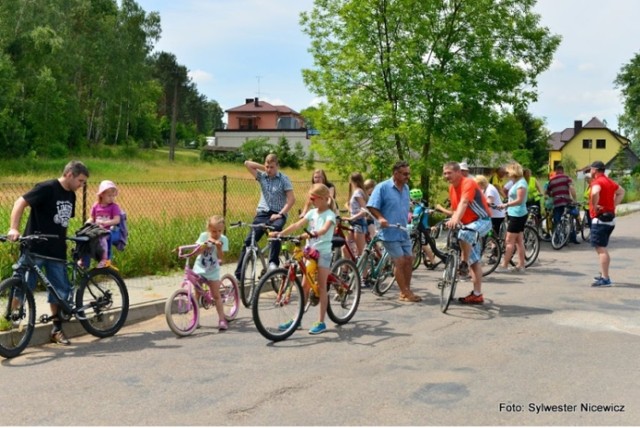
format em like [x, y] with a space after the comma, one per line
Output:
[397, 249]
[482, 226]
[324, 261]
[600, 234]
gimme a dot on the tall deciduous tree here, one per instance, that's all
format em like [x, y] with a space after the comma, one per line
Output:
[628, 80]
[426, 80]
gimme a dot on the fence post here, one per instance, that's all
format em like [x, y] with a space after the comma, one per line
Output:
[84, 203]
[224, 197]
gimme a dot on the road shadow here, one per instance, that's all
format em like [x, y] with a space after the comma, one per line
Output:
[491, 310]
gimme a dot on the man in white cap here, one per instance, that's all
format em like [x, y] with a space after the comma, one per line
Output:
[464, 169]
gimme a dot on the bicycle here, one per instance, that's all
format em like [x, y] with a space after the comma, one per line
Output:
[421, 237]
[182, 309]
[249, 276]
[568, 224]
[278, 302]
[585, 223]
[447, 284]
[542, 225]
[101, 297]
[531, 241]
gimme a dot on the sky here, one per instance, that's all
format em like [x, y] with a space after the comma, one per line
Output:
[238, 49]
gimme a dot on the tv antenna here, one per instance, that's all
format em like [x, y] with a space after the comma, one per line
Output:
[259, 94]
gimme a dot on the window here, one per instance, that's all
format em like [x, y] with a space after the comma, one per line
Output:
[601, 144]
[586, 144]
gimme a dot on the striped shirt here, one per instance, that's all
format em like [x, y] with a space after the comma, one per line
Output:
[558, 189]
[274, 191]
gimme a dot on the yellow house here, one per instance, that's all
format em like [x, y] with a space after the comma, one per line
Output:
[588, 143]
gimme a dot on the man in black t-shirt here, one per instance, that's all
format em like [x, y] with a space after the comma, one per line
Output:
[52, 204]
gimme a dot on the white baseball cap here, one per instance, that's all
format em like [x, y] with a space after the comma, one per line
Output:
[106, 185]
[464, 166]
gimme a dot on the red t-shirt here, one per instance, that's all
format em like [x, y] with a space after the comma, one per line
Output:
[608, 189]
[477, 208]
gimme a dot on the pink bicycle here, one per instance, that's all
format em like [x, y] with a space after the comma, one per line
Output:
[183, 307]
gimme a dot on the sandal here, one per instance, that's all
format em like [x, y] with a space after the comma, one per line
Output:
[410, 299]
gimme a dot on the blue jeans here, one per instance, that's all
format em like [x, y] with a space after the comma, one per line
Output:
[56, 273]
[274, 256]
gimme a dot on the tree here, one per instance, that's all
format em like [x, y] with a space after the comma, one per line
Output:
[424, 80]
[628, 81]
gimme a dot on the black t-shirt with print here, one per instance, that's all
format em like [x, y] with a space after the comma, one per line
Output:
[51, 209]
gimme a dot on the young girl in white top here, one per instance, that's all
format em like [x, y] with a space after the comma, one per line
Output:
[357, 200]
[322, 221]
[207, 264]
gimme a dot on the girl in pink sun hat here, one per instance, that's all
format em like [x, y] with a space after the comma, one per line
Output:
[106, 213]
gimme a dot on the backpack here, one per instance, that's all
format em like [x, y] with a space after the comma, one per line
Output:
[120, 233]
[420, 218]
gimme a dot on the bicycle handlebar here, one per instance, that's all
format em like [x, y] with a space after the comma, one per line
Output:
[251, 225]
[34, 237]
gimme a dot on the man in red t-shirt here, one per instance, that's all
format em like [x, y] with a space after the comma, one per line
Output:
[605, 195]
[470, 209]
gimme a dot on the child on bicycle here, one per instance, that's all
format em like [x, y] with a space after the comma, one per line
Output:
[322, 221]
[106, 214]
[210, 255]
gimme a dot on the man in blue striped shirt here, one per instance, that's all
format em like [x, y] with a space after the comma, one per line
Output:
[276, 199]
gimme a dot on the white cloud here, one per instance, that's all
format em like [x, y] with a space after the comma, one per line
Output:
[201, 76]
[556, 65]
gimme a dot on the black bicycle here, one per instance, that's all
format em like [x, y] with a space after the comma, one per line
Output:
[101, 298]
[422, 237]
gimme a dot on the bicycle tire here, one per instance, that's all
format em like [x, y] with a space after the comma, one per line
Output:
[250, 276]
[385, 275]
[16, 324]
[277, 314]
[531, 245]
[364, 269]
[491, 254]
[586, 229]
[560, 235]
[449, 280]
[182, 312]
[105, 299]
[343, 289]
[416, 249]
[230, 296]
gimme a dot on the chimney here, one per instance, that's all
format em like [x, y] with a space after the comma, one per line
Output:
[577, 126]
[256, 103]
[248, 100]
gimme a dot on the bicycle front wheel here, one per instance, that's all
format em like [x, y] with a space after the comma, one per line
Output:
[182, 312]
[560, 234]
[102, 302]
[344, 291]
[531, 245]
[253, 266]
[449, 280]
[17, 317]
[230, 296]
[277, 314]
[491, 254]
[386, 277]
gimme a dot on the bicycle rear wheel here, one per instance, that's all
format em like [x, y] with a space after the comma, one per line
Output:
[386, 277]
[277, 314]
[17, 317]
[416, 247]
[102, 301]
[230, 296]
[449, 281]
[344, 291]
[560, 234]
[491, 254]
[253, 266]
[182, 312]
[586, 228]
[531, 245]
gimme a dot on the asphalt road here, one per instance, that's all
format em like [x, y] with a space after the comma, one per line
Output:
[545, 349]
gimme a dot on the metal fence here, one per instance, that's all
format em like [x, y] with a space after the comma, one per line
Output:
[162, 215]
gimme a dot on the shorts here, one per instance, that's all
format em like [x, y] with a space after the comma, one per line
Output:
[324, 261]
[482, 227]
[359, 226]
[213, 275]
[600, 233]
[397, 249]
[516, 224]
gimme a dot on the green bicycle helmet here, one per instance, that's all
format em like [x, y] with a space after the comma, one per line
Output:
[415, 194]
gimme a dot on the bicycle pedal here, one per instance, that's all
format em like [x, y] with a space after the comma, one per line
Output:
[44, 319]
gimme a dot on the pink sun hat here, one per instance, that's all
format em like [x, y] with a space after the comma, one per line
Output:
[106, 185]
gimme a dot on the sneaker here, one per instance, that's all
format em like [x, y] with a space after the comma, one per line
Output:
[59, 338]
[463, 269]
[318, 328]
[223, 324]
[285, 325]
[602, 282]
[595, 278]
[501, 269]
[272, 266]
[472, 299]
[516, 270]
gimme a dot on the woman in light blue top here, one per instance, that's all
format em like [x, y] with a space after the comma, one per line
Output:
[517, 211]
